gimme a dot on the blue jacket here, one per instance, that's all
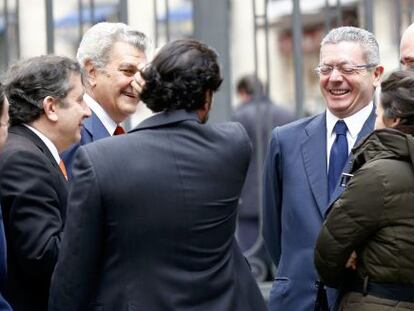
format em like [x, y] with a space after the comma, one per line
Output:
[4, 306]
[93, 129]
[295, 203]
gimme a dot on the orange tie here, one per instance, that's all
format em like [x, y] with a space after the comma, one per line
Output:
[119, 130]
[63, 169]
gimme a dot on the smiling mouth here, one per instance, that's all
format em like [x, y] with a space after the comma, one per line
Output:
[338, 92]
[130, 95]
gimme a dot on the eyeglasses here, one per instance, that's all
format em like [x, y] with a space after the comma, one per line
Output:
[345, 69]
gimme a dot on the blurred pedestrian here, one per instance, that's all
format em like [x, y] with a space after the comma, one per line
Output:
[374, 216]
[46, 115]
[258, 115]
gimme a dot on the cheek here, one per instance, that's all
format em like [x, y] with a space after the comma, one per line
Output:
[323, 82]
[124, 82]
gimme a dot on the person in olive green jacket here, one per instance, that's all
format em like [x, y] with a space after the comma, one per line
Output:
[366, 245]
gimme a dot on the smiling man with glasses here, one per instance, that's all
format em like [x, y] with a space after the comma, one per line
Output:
[305, 160]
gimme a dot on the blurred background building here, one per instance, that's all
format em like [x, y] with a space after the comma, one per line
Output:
[276, 39]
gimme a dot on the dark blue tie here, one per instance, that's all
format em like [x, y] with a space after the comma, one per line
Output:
[338, 156]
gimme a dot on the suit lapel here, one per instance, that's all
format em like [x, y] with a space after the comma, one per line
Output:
[314, 159]
[95, 127]
[27, 133]
[366, 129]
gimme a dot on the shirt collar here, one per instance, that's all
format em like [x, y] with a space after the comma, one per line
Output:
[102, 115]
[354, 122]
[51, 146]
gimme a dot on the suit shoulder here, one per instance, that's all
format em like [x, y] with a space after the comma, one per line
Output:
[18, 143]
[297, 125]
[229, 129]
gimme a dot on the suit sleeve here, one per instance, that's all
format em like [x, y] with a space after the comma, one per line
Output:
[354, 217]
[272, 191]
[34, 222]
[76, 272]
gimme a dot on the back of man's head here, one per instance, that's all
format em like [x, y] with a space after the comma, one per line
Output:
[357, 35]
[250, 85]
[180, 76]
[97, 42]
[31, 80]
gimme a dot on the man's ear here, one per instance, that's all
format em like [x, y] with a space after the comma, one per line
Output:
[49, 107]
[205, 109]
[393, 122]
[90, 73]
[377, 75]
[208, 99]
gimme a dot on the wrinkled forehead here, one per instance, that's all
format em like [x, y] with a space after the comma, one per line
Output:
[342, 53]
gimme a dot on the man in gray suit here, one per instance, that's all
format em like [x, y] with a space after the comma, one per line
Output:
[306, 158]
[258, 115]
[151, 214]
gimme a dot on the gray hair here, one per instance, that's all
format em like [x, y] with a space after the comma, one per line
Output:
[99, 39]
[353, 34]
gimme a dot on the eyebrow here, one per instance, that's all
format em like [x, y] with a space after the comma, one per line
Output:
[127, 65]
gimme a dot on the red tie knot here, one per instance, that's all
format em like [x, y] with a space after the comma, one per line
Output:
[119, 130]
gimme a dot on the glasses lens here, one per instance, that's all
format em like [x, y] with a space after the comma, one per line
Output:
[347, 69]
[325, 69]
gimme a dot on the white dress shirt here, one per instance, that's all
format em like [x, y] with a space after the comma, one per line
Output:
[354, 124]
[106, 120]
[51, 146]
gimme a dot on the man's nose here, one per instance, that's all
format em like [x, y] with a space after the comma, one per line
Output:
[86, 110]
[336, 75]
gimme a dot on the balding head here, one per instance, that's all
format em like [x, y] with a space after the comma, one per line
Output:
[407, 48]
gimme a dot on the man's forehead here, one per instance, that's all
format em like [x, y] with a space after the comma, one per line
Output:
[342, 52]
[121, 48]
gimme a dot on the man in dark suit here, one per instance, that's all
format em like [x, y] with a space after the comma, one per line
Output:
[259, 116]
[4, 124]
[306, 158]
[151, 214]
[109, 55]
[46, 114]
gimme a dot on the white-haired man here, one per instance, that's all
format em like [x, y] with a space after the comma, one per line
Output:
[109, 55]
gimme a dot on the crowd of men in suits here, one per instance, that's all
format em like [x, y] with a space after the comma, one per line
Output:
[146, 220]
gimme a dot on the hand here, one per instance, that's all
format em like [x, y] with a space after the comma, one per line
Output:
[352, 261]
[138, 83]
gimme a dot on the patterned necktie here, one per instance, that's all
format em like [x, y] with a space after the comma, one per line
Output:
[63, 169]
[119, 130]
[338, 156]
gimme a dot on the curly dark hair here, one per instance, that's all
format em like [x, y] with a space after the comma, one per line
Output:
[179, 76]
[397, 96]
[29, 81]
